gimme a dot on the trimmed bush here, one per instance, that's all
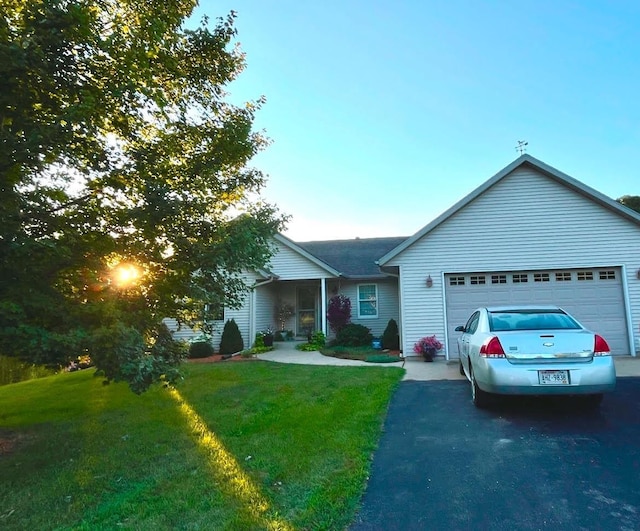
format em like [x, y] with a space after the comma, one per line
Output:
[390, 337]
[318, 338]
[354, 335]
[231, 341]
[201, 349]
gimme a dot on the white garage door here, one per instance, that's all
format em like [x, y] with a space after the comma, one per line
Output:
[593, 296]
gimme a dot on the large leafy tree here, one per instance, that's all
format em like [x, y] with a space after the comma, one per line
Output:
[118, 145]
[630, 201]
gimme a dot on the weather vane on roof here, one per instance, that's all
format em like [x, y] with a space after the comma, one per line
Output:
[522, 146]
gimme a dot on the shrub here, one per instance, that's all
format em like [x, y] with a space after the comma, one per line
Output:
[316, 342]
[13, 370]
[354, 335]
[259, 341]
[318, 338]
[231, 341]
[307, 347]
[201, 349]
[339, 312]
[390, 337]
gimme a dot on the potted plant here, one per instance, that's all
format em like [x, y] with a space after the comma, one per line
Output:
[267, 336]
[427, 346]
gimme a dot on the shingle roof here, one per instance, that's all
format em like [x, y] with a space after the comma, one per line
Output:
[353, 258]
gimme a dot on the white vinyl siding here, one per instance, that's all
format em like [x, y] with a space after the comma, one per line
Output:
[388, 303]
[526, 221]
[265, 303]
[287, 264]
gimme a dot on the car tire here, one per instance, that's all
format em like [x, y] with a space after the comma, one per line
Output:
[480, 398]
[461, 368]
[592, 401]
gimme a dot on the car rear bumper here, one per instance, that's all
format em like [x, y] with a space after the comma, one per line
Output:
[501, 377]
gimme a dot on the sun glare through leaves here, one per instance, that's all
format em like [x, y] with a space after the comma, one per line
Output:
[125, 275]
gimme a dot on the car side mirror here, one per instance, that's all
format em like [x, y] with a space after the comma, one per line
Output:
[459, 328]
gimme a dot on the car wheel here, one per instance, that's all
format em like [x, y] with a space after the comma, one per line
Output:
[593, 401]
[461, 368]
[479, 397]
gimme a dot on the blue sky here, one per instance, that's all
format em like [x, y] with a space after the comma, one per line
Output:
[383, 114]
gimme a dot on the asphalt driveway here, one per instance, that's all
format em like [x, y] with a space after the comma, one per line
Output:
[525, 464]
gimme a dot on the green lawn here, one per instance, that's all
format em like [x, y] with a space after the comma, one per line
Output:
[239, 445]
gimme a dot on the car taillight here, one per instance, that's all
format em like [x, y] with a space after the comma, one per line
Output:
[601, 348]
[492, 348]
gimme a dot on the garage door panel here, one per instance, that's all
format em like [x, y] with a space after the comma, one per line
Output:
[593, 296]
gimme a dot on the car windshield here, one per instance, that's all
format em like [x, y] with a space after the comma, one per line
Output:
[501, 321]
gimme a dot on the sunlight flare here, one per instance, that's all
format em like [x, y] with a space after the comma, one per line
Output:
[126, 275]
[227, 470]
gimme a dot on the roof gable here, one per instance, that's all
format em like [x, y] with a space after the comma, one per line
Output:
[524, 160]
[296, 249]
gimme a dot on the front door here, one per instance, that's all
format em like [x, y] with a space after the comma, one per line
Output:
[307, 297]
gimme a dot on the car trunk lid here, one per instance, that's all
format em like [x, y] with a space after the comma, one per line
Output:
[547, 346]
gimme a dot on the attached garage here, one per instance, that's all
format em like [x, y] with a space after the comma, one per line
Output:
[530, 234]
[594, 296]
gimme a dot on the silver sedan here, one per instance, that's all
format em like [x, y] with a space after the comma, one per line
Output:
[541, 350]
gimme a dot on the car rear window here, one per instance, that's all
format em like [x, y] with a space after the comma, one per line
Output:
[531, 320]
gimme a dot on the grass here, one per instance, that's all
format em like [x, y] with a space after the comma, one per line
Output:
[245, 446]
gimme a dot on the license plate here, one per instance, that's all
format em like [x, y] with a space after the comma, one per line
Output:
[553, 377]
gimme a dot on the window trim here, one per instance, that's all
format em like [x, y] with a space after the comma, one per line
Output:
[359, 300]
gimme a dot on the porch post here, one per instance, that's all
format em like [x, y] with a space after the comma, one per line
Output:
[252, 315]
[323, 304]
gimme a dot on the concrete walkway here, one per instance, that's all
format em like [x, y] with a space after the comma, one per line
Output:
[416, 368]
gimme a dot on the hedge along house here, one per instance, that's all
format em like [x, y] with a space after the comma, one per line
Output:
[528, 235]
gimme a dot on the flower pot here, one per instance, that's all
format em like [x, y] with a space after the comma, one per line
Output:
[429, 354]
[268, 340]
